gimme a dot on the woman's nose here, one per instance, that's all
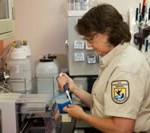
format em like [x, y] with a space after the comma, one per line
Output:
[89, 45]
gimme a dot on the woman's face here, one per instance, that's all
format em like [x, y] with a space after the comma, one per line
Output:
[100, 44]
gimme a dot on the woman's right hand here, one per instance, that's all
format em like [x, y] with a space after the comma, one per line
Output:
[62, 79]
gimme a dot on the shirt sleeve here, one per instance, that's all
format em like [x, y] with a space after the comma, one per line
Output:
[123, 95]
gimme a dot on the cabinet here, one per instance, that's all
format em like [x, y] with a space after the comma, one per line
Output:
[6, 19]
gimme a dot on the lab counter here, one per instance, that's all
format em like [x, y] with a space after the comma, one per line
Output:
[44, 122]
[32, 113]
[35, 125]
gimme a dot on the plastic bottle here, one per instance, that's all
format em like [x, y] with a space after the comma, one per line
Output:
[20, 70]
[46, 72]
[26, 48]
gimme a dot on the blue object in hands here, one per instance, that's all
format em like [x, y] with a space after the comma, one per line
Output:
[62, 101]
[62, 105]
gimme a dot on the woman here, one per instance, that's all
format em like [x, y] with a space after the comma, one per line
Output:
[120, 97]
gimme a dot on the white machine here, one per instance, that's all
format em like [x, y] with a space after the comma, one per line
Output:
[12, 105]
[79, 54]
[82, 60]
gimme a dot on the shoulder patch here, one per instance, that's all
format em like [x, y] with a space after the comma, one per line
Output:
[120, 91]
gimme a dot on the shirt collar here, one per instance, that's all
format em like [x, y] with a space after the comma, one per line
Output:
[105, 60]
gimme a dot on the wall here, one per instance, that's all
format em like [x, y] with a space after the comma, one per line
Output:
[43, 24]
[123, 6]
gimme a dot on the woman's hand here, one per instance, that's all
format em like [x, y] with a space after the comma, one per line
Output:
[74, 111]
[80, 93]
[62, 79]
[57, 115]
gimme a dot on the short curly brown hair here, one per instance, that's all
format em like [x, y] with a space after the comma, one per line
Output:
[104, 18]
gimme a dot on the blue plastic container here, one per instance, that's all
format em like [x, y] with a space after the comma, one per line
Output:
[62, 101]
[62, 105]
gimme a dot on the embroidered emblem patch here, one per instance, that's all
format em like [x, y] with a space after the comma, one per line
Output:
[120, 91]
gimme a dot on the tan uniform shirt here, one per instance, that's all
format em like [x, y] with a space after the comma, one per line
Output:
[123, 87]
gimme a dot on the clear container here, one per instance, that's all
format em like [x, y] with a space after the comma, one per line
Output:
[19, 67]
[46, 72]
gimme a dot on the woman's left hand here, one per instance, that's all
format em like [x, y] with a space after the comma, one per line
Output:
[74, 111]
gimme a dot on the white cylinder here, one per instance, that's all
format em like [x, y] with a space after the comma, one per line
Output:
[20, 71]
[46, 73]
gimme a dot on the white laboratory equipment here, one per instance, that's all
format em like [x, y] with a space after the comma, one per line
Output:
[19, 113]
[46, 72]
[19, 67]
[26, 48]
[32, 113]
[82, 60]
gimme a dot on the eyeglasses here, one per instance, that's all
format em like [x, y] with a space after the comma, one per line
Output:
[90, 37]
